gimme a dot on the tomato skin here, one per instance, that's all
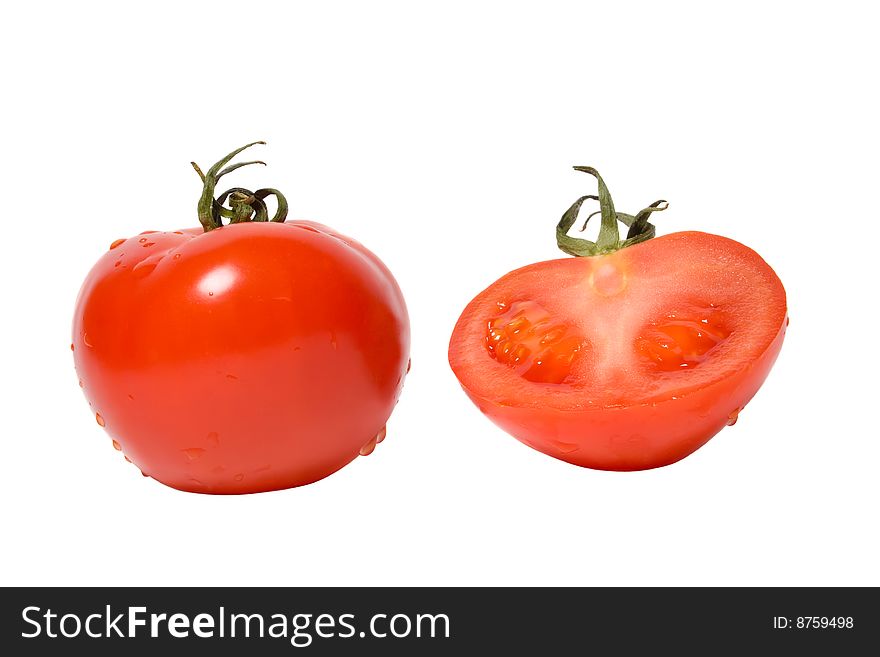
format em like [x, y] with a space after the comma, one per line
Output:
[254, 357]
[630, 424]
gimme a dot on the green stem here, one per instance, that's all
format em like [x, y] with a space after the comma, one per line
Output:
[608, 241]
[244, 205]
[238, 194]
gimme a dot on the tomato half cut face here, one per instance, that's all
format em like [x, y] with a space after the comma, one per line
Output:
[624, 361]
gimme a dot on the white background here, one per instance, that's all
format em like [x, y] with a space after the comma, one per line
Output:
[442, 138]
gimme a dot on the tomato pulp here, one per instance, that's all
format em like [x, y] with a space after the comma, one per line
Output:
[627, 360]
[252, 357]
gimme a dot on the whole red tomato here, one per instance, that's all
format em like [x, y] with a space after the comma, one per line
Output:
[250, 357]
[630, 356]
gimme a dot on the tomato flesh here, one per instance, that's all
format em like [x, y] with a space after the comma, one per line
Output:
[254, 357]
[626, 361]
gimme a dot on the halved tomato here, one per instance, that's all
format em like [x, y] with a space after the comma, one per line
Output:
[626, 358]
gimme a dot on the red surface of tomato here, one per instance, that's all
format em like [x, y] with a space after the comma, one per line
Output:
[257, 356]
[628, 359]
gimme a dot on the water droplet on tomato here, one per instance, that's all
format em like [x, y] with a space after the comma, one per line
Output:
[238, 477]
[117, 263]
[178, 232]
[381, 435]
[117, 446]
[564, 447]
[144, 268]
[213, 439]
[86, 340]
[177, 256]
[148, 244]
[148, 232]
[232, 377]
[127, 459]
[196, 482]
[193, 453]
[144, 473]
[368, 447]
[408, 365]
[333, 340]
[733, 417]
[100, 420]
[210, 294]
[72, 348]
[142, 240]
[81, 384]
[131, 397]
[117, 243]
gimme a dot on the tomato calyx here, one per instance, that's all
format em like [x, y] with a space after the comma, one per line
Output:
[608, 241]
[244, 205]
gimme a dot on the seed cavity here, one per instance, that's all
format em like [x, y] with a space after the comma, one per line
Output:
[529, 340]
[682, 339]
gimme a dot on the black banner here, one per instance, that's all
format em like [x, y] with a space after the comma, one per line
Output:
[436, 621]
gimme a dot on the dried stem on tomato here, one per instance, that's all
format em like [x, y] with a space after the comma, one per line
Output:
[608, 241]
[244, 205]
